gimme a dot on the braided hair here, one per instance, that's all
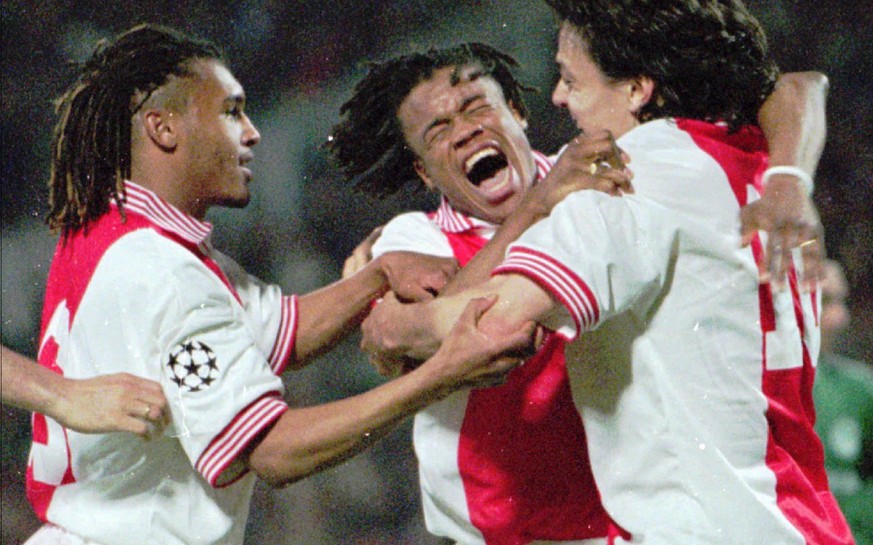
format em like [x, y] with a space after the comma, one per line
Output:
[91, 146]
[708, 58]
[368, 143]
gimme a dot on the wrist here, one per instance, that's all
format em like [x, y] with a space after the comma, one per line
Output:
[800, 176]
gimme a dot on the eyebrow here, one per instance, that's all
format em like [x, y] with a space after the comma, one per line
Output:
[442, 120]
[237, 99]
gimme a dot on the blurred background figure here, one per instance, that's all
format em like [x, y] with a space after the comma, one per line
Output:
[844, 410]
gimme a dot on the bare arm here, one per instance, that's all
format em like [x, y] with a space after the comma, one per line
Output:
[119, 402]
[570, 173]
[330, 313]
[305, 441]
[394, 331]
[793, 120]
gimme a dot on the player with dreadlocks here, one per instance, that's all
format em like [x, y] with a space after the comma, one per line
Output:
[509, 464]
[456, 118]
[153, 134]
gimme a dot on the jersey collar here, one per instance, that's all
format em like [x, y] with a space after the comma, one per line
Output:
[452, 221]
[147, 203]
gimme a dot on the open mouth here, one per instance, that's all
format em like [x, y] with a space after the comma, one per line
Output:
[484, 165]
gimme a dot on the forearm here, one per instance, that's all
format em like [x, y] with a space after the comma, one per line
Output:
[794, 122]
[330, 313]
[417, 330]
[307, 440]
[478, 270]
[28, 385]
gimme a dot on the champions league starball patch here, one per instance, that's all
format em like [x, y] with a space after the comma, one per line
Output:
[192, 366]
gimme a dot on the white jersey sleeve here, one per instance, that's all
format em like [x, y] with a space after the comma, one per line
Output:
[413, 232]
[266, 305]
[220, 388]
[599, 255]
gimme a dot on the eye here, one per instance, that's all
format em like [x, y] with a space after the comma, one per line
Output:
[435, 135]
[235, 111]
[481, 109]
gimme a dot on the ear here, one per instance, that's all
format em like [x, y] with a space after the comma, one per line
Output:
[160, 125]
[422, 173]
[640, 91]
[517, 115]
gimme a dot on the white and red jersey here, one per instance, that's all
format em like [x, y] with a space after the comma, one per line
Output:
[144, 292]
[505, 465]
[694, 381]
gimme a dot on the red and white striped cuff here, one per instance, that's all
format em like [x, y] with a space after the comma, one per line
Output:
[558, 280]
[287, 335]
[219, 463]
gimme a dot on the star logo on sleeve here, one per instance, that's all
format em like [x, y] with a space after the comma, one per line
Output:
[192, 366]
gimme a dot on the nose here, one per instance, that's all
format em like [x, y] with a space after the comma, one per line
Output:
[470, 131]
[559, 95]
[250, 135]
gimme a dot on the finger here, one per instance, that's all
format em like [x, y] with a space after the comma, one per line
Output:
[748, 225]
[773, 271]
[476, 308]
[521, 342]
[812, 256]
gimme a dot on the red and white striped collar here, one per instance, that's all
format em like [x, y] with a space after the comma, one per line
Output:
[145, 202]
[452, 221]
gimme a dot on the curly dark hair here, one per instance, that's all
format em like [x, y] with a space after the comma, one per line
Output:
[708, 58]
[91, 147]
[368, 143]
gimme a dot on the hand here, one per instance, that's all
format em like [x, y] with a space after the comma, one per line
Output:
[790, 218]
[109, 403]
[417, 277]
[588, 162]
[473, 358]
[379, 335]
[362, 254]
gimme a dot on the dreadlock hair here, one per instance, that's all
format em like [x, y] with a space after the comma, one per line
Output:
[91, 146]
[708, 58]
[368, 143]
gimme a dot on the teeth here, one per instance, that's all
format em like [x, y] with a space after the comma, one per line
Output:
[478, 156]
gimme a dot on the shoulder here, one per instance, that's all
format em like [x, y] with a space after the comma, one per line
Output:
[413, 232]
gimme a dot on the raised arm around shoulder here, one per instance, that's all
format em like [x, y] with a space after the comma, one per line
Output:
[793, 120]
[572, 172]
[307, 440]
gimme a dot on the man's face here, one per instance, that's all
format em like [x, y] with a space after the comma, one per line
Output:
[594, 101]
[216, 137]
[470, 143]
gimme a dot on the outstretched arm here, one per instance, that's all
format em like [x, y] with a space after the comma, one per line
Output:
[305, 441]
[394, 331]
[330, 313]
[118, 402]
[793, 120]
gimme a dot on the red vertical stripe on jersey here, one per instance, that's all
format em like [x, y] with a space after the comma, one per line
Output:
[794, 452]
[522, 452]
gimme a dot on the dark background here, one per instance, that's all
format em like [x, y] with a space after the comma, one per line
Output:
[298, 62]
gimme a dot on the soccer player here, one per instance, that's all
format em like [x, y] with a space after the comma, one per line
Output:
[118, 402]
[693, 380]
[152, 135]
[508, 464]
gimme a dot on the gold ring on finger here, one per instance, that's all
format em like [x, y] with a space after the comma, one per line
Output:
[806, 243]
